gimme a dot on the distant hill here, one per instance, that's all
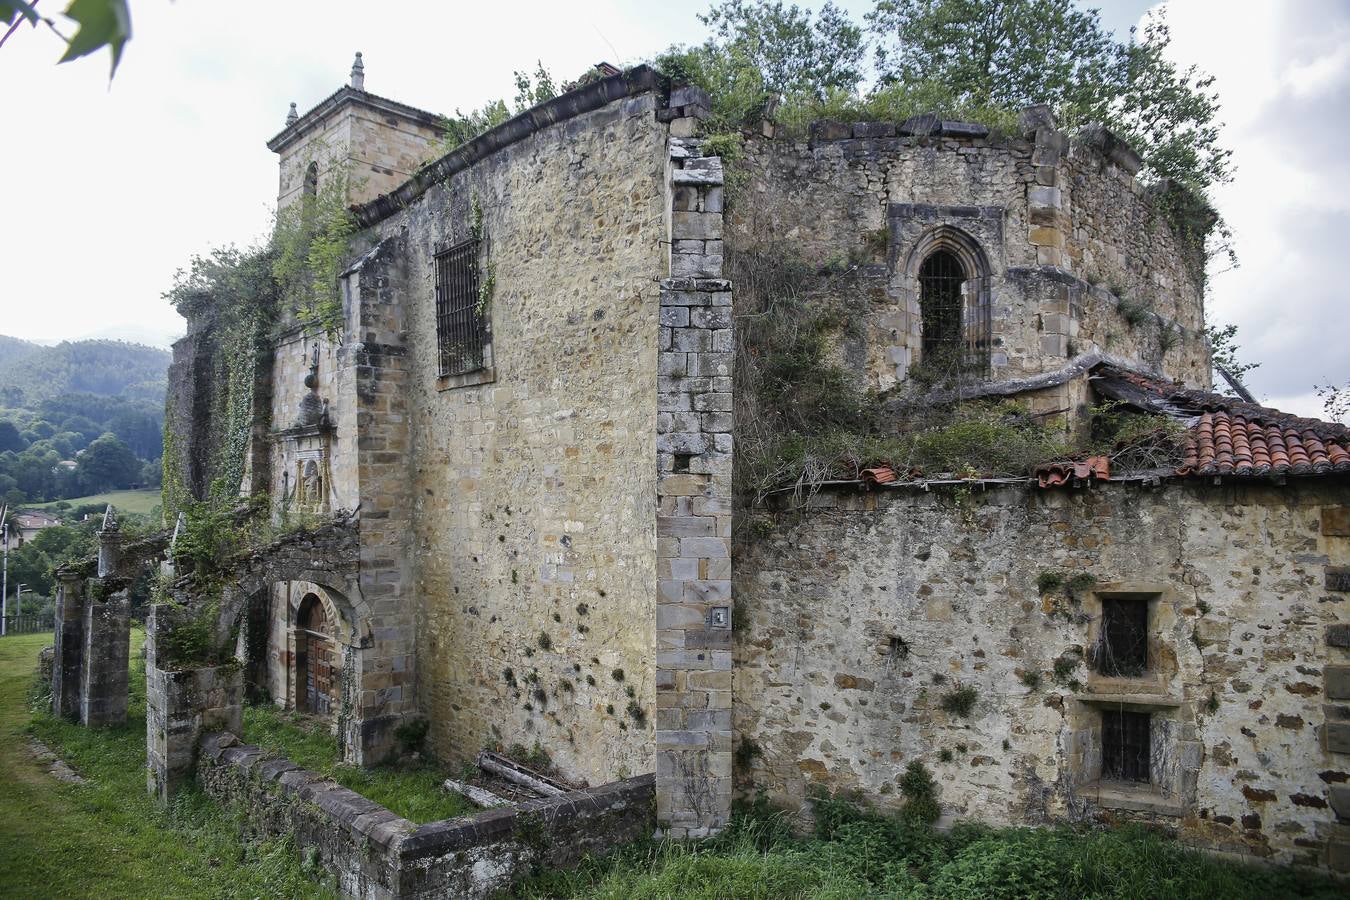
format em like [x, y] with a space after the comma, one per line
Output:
[30, 373]
[14, 348]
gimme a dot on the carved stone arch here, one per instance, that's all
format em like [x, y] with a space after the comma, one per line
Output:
[954, 240]
[970, 342]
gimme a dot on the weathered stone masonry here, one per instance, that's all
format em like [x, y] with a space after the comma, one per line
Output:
[376, 854]
[693, 524]
[863, 614]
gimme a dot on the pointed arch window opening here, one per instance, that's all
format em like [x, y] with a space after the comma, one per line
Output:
[954, 316]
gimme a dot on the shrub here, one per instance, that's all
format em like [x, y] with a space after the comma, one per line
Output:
[920, 792]
[961, 701]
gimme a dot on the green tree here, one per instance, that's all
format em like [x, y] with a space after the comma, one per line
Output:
[101, 23]
[793, 52]
[1013, 53]
[531, 91]
[462, 128]
[107, 464]
[10, 439]
[1226, 354]
[1009, 53]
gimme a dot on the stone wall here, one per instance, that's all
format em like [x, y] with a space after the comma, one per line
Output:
[375, 854]
[1062, 231]
[864, 614]
[531, 512]
[104, 674]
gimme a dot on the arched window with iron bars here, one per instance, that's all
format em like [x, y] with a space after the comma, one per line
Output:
[954, 317]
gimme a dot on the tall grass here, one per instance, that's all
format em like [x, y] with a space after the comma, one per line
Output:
[854, 854]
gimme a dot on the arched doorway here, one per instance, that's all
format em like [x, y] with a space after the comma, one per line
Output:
[314, 650]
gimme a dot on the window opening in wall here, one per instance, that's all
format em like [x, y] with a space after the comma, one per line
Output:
[311, 181]
[682, 461]
[461, 325]
[1122, 646]
[1125, 745]
[955, 330]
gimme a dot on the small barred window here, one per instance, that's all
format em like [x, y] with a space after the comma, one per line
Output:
[1126, 740]
[1122, 648]
[461, 321]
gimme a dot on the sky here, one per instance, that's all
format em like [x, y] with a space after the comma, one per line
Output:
[109, 189]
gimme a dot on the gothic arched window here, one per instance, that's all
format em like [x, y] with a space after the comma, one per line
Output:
[941, 306]
[950, 328]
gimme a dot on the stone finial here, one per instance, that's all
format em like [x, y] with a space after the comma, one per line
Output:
[358, 73]
[293, 116]
[109, 519]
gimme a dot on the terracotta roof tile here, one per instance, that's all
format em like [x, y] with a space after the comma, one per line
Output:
[1228, 436]
[879, 475]
[1057, 473]
[1224, 443]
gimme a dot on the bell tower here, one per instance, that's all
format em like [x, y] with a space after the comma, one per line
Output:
[379, 142]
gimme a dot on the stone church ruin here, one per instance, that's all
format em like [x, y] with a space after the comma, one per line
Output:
[507, 479]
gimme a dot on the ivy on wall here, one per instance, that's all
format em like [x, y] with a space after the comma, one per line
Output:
[312, 241]
[232, 298]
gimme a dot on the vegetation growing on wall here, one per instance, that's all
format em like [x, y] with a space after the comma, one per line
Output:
[978, 60]
[311, 243]
[969, 60]
[802, 418]
[232, 292]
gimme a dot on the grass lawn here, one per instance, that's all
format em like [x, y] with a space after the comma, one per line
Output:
[139, 502]
[415, 794]
[107, 837]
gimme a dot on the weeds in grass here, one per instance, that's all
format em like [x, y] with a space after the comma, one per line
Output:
[855, 853]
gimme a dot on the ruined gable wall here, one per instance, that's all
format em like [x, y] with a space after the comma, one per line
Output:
[826, 697]
[827, 199]
[534, 495]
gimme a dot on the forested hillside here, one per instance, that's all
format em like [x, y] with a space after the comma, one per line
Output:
[79, 418]
[31, 373]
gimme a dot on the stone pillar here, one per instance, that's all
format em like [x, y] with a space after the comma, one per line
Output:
[109, 544]
[378, 678]
[103, 670]
[68, 645]
[180, 706]
[693, 522]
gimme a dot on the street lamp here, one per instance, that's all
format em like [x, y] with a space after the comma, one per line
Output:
[4, 579]
[18, 597]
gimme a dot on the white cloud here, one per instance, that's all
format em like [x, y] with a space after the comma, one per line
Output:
[1283, 72]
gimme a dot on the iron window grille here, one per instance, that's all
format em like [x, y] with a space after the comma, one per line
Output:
[1122, 649]
[461, 322]
[955, 321]
[1126, 739]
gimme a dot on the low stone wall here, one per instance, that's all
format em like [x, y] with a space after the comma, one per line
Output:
[376, 854]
